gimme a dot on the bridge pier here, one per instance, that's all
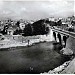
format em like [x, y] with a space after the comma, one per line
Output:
[61, 38]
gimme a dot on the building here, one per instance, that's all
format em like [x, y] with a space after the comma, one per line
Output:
[10, 31]
[22, 26]
[2, 37]
[51, 19]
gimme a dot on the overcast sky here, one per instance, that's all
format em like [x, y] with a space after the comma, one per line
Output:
[36, 9]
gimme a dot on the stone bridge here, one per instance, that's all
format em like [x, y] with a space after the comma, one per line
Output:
[70, 43]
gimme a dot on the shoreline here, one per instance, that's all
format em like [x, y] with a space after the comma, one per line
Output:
[61, 68]
[58, 69]
[14, 46]
[20, 44]
[19, 40]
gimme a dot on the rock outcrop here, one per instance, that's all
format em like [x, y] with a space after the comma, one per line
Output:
[66, 51]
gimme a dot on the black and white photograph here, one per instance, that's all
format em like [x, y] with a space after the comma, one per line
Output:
[37, 37]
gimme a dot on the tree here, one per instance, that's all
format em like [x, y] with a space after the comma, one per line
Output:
[17, 31]
[39, 27]
[18, 22]
[27, 30]
[4, 30]
[59, 23]
[73, 23]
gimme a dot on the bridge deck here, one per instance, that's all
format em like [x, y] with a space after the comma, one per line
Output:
[71, 34]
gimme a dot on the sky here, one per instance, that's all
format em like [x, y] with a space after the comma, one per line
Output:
[36, 9]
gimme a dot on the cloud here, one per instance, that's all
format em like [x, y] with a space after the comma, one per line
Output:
[36, 9]
[23, 9]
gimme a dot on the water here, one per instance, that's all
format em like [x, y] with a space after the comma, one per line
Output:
[35, 59]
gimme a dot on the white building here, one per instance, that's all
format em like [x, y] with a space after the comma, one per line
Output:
[10, 31]
[51, 19]
[22, 26]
